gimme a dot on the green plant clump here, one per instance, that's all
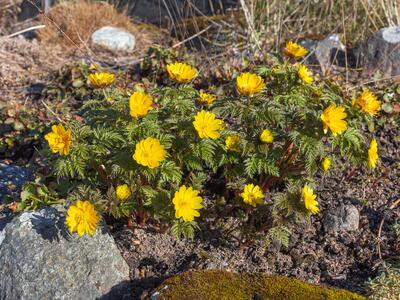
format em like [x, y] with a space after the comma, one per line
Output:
[265, 141]
[222, 285]
[386, 285]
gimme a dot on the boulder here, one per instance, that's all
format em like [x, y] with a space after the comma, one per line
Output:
[345, 218]
[114, 39]
[325, 52]
[39, 259]
[380, 52]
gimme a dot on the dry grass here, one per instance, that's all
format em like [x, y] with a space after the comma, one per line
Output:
[279, 20]
[8, 15]
[25, 62]
[72, 23]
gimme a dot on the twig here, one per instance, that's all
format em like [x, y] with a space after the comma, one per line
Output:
[393, 206]
[52, 112]
[25, 30]
[192, 37]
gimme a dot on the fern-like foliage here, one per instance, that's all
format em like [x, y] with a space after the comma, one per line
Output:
[104, 142]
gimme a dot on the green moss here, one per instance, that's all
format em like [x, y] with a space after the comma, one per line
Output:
[222, 285]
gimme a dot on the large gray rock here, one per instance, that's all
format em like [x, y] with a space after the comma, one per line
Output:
[39, 259]
[114, 39]
[325, 52]
[345, 218]
[380, 52]
[11, 180]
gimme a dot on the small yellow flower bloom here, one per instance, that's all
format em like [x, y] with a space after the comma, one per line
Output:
[309, 199]
[368, 103]
[326, 163]
[123, 192]
[207, 125]
[149, 153]
[101, 79]
[252, 194]
[206, 99]
[181, 73]
[140, 104]
[266, 136]
[187, 202]
[294, 50]
[373, 154]
[333, 118]
[232, 143]
[59, 139]
[305, 74]
[82, 218]
[249, 84]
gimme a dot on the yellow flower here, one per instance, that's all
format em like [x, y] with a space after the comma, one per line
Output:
[181, 73]
[333, 118]
[309, 199]
[305, 74]
[249, 84]
[252, 194]
[232, 143]
[149, 153]
[326, 163]
[140, 104]
[266, 136]
[206, 98]
[207, 126]
[294, 50]
[59, 139]
[82, 218]
[373, 154]
[368, 103]
[186, 202]
[123, 192]
[101, 79]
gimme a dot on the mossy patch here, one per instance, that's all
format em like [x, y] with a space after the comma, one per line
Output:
[223, 285]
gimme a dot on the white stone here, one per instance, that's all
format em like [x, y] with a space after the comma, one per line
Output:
[391, 34]
[114, 39]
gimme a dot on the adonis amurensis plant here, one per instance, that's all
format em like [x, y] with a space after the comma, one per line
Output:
[147, 155]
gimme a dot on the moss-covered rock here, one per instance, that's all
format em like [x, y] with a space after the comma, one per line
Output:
[222, 285]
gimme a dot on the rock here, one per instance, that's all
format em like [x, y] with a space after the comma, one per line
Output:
[345, 218]
[218, 284]
[39, 259]
[325, 52]
[35, 89]
[380, 52]
[11, 180]
[114, 39]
